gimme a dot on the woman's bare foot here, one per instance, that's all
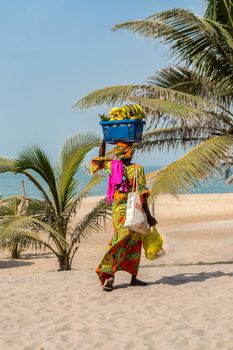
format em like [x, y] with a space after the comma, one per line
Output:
[135, 282]
[108, 284]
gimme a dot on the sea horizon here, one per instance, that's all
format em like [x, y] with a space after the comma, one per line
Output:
[11, 184]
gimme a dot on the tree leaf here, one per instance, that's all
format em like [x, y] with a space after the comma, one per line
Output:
[189, 170]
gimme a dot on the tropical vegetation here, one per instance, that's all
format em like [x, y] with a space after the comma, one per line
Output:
[18, 243]
[48, 219]
[189, 104]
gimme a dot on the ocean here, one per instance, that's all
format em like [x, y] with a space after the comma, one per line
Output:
[12, 185]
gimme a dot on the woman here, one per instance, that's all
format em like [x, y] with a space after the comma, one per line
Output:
[124, 250]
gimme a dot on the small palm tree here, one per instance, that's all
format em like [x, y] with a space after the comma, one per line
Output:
[189, 104]
[50, 218]
[16, 243]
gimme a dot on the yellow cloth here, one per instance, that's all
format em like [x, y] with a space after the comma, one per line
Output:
[152, 243]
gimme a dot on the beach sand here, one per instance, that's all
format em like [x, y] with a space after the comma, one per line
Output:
[187, 304]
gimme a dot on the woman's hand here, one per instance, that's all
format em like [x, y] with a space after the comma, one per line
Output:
[151, 220]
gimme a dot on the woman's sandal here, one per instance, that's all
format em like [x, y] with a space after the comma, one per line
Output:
[137, 282]
[108, 284]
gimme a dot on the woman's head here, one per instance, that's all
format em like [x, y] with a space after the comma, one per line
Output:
[124, 151]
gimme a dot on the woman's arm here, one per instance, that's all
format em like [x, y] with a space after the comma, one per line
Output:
[101, 162]
[151, 220]
[102, 149]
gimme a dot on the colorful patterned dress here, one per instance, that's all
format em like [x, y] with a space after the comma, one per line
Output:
[124, 249]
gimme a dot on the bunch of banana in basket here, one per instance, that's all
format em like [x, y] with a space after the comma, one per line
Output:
[127, 112]
[133, 111]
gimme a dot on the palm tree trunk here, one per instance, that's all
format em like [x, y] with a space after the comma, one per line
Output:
[64, 262]
[15, 254]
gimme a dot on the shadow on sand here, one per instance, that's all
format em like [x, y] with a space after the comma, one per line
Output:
[183, 278]
[10, 263]
[120, 286]
[199, 263]
[38, 256]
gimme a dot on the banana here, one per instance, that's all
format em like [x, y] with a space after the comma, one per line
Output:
[114, 110]
[132, 111]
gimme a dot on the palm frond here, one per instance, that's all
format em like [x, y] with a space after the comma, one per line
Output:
[35, 236]
[183, 79]
[121, 93]
[21, 242]
[229, 180]
[34, 158]
[220, 11]
[92, 222]
[38, 208]
[189, 81]
[11, 224]
[41, 189]
[8, 205]
[7, 165]
[200, 42]
[94, 181]
[168, 109]
[192, 168]
[72, 155]
[72, 208]
[170, 138]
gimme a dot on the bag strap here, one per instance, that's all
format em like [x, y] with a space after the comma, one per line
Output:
[135, 178]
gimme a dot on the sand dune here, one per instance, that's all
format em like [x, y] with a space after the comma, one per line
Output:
[187, 304]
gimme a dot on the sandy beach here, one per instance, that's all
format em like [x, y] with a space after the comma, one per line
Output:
[187, 304]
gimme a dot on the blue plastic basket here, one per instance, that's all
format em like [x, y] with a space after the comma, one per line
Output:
[127, 130]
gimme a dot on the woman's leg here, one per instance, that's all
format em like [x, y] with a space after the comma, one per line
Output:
[135, 282]
[108, 284]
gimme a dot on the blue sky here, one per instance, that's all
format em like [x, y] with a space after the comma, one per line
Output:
[53, 52]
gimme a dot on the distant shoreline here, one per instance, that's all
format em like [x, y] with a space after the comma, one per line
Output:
[10, 184]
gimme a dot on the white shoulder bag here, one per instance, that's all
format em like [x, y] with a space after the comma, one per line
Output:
[136, 219]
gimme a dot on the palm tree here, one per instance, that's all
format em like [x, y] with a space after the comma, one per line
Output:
[13, 207]
[50, 218]
[189, 104]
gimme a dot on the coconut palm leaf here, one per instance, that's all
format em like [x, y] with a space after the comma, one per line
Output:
[18, 243]
[229, 181]
[38, 209]
[187, 80]
[11, 224]
[183, 79]
[73, 207]
[170, 138]
[220, 11]
[176, 111]
[12, 233]
[10, 165]
[177, 25]
[121, 93]
[34, 158]
[94, 181]
[7, 165]
[73, 153]
[42, 190]
[193, 167]
[201, 42]
[35, 236]
[8, 205]
[91, 222]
